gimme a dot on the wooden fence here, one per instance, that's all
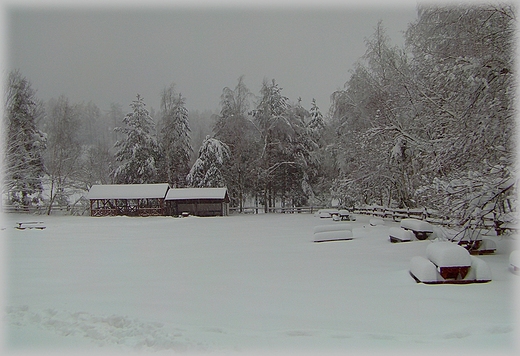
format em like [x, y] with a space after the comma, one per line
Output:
[431, 216]
[434, 217]
[37, 210]
[282, 210]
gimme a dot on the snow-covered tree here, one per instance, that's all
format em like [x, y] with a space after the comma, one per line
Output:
[433, 126]
[64, 151]
[316, 124]
[272, 123]
[138, 151]
[467, 104]
[234, 128]
[24, 144]
[175, 137]
[207, 169]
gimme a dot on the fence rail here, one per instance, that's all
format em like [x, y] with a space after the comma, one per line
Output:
[38, 210]
[282, 210]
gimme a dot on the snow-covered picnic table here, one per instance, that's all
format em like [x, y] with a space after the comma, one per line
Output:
[30, 225]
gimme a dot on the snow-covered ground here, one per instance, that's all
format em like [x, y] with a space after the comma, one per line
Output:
[251, 283]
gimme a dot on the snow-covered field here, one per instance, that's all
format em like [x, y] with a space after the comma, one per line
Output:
[251, 283]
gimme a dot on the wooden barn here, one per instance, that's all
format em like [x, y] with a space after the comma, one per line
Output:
[128, 199]
[197, 201]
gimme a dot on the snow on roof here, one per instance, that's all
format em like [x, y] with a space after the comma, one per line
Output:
[196, 193]
[128, 191]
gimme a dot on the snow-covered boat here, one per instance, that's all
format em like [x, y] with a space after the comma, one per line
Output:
[447, 262]
[398, 234]
[421, 229]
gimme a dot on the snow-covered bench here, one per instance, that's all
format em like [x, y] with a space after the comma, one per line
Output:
[421, 229]
[30, 225]
[335, 227]
[479, 246]
[472, 241]
[327, 213]
[336, 232]
[398, 234]
[345, 215]
[376, 222]
[447, 262]
[329, 236]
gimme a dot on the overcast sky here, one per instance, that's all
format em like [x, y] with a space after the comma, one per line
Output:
[107, 55]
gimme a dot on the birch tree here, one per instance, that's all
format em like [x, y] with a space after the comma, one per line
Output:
[63, 155]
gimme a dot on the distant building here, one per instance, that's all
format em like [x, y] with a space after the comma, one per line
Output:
[156, 200]
[127, 199]
[197, 201]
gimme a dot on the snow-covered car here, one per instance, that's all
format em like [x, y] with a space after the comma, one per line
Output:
[447, 262]
[420, 228]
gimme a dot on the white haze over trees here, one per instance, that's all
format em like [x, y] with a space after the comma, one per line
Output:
[428, 124]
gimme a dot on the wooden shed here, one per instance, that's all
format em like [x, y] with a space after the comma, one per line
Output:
[197, 201]
[127, 199]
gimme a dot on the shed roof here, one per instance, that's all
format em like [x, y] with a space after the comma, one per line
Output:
[196, 193]
[128, 191]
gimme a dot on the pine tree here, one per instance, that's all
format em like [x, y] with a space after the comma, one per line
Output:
[207, 169]
[175, 138]
[24, 143]
[316, 124]
[139, 151]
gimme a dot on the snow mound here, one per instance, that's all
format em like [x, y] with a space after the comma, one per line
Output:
[120, 332]
[447, 254]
